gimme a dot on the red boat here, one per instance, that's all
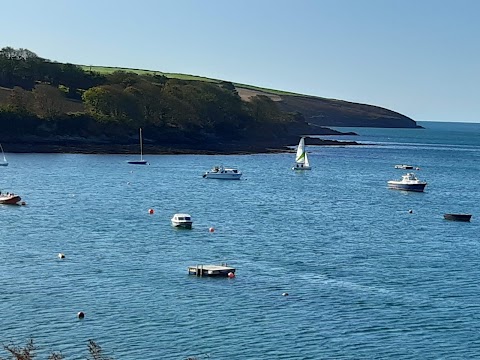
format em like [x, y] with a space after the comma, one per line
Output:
[9, 199]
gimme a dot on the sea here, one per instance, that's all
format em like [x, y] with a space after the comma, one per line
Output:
[330, 263]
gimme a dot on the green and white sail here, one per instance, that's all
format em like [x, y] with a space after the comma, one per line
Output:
[301, 158]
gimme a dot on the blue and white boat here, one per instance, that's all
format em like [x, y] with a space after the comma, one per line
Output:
[404, 166]
[224, 173]
[409, 182]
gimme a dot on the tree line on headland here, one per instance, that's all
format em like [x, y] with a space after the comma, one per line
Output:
[51, 106]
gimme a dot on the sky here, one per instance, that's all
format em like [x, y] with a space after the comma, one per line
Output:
[420, 58]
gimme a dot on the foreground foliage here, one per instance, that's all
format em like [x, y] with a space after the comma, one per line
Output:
[28, 352]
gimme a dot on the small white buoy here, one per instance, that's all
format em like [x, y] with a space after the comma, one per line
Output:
[285, 294]
[128, 183]
[410, 211]
[211, 229]
[61, 255]
[81, 315]
[23, 203]
[231, 275]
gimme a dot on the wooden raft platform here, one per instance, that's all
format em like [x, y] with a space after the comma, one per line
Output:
[210, 270]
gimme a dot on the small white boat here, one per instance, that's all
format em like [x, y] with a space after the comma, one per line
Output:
[404, 167]
[9, 198]
[141, 161]
[224, 173]
[182, 221]
[3, 162]
[409, 182]
[301, 158]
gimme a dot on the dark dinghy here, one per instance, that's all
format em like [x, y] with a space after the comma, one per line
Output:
[457, 217]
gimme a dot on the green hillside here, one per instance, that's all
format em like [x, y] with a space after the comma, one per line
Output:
[319, 111]
[109, 70]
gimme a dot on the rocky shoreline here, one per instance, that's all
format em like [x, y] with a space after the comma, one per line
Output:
[71, 147]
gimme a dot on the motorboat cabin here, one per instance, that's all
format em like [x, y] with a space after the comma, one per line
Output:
[182, 221]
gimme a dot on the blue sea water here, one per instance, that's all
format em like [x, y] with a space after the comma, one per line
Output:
[366, 279]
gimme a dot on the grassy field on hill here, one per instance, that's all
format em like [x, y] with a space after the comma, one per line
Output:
[109, 70]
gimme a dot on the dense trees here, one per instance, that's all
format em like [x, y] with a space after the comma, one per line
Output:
[22, 67]
[117, 103]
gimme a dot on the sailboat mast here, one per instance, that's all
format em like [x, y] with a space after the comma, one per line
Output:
[141, 145]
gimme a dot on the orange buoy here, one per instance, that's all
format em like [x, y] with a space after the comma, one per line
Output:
[231, 275]
[211, 229]
[81, 315]
[151, 211]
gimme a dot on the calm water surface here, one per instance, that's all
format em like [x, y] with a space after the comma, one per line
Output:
[366, 278]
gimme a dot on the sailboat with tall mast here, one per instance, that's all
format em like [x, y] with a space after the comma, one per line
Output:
[141, 161]
[301, 158]
[3, 162]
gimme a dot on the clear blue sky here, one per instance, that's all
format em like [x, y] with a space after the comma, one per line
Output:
[418, 57]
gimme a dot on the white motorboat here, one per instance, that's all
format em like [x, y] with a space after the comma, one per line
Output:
[9, 198]
[224, 173]
[182, 221]
[404, 167]
[409, 182]
[301, 158]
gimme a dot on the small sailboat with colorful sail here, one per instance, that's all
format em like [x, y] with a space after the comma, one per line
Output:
[301, 158]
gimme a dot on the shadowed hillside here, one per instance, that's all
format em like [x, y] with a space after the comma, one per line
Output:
[316, 110]
[331, 112]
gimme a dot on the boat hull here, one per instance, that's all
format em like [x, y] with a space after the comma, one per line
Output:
[457, 217]
[10, 199]
[3, 163]
[228, 176]
[407, 187]
[301, 168]
[138, 162]
[182, 225]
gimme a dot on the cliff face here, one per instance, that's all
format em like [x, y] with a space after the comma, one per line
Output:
[331, 112]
